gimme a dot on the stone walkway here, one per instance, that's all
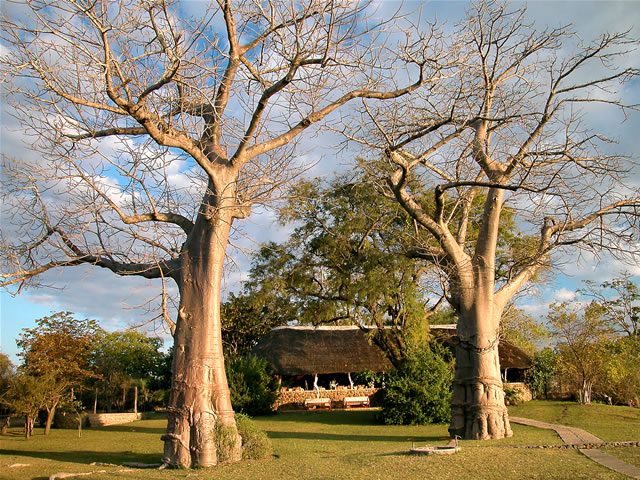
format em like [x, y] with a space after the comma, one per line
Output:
[577, 436]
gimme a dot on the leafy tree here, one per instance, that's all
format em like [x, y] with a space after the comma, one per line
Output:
[620, 299]
[124, 358]
[7, 372]
[56, 352]
[246, 318]
[25, 396]
[122, 96]
[349, 261]
[253, 388]
[581, 348]
[541, 373]
[505, 127]
[522, 330]
[419, 392]
[620, 380]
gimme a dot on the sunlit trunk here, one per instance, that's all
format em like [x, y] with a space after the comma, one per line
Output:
[50, 414]
[199, 392]
[478, 411]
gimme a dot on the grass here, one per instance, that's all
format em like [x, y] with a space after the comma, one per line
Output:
[333, 445]
[610, 423]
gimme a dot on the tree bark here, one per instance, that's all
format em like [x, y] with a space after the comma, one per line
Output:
[478, 411]
[135, 399]
[50, 414]
[199, 391]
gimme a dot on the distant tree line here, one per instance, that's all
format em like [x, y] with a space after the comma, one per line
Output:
[72, 365]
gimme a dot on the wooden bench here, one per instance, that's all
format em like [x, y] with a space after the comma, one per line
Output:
[312, 403]
[356, 402]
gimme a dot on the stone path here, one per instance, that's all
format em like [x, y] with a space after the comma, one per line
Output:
[577, 436]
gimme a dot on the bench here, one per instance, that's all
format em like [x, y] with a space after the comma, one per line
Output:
[356, 402]
[312, 403]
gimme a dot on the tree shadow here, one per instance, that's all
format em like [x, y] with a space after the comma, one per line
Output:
[352, 438]
[87, 457]
[329, 417]
[128, 428]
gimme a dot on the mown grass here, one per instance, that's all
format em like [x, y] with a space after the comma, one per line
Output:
[610, 423]
[324, 445]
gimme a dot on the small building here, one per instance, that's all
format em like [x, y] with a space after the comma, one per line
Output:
[309, 360]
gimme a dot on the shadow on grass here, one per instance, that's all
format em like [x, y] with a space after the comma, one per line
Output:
[330, 437]
[131, 428]
[87, 457]
[335, 417]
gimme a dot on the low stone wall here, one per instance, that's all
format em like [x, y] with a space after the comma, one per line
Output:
[106, 419]
[524, 393]
[294, 399]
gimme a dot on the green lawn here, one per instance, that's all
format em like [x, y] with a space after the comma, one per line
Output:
[329, 445]
[610, 423]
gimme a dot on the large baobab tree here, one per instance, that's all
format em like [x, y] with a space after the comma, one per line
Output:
[507, 132]
[156, 131]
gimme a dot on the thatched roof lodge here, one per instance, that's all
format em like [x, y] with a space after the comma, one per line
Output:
[293, 351]
[301, 351]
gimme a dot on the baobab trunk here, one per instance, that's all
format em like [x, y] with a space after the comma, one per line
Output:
[478, 411]
[199, 391]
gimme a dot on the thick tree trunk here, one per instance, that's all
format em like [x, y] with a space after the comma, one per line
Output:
[478, 411]
[199, 392]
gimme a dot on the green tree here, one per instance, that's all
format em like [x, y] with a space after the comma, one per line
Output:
[247, 317]
[123, 359]
[582, 334]
[541, 373]
[522, 330]
[7, 372]
[56, 351]
[253, 388]
[620, 379]
[419, 392]
[26, 396]
[350, 260]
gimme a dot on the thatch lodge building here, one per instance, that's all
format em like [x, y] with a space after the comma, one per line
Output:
[313, 360]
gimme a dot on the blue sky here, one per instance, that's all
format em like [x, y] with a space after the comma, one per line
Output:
[115, 301]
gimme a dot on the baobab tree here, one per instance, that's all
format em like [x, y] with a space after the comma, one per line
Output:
[155, 132]
[508, 128]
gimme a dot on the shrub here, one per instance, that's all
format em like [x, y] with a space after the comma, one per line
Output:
[253, 389]
[226, 442]
[419, 392]
[541, 373]
[255, 443]
[368, 378]
[511, 395]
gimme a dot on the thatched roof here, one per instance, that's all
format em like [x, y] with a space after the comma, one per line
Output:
[325, 350]
[307, 350]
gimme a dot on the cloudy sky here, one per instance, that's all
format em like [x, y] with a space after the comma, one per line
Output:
[96, 293]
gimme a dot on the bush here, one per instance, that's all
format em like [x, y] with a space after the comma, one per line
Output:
[226, 442]
[253, 389]
[541, 373]
[420, 391]
[255, 443]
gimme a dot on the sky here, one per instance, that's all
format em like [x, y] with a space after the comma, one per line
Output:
[115, 302]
